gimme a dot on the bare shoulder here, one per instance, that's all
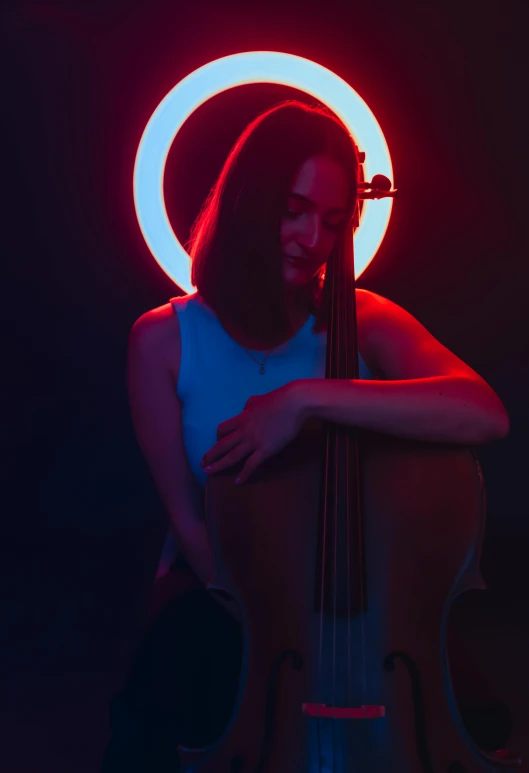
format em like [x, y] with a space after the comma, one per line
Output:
[398, 346]
[364, 314]
[157, 334]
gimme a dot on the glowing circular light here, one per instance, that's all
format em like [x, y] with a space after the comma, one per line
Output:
[240, 70]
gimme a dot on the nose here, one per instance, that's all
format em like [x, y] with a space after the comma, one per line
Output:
[309, 233]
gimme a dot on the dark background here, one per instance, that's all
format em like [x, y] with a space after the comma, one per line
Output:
[82, 524]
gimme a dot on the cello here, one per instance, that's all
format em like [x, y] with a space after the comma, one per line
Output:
[344, 554]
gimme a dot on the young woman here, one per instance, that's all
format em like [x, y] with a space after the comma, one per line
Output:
[229, 373]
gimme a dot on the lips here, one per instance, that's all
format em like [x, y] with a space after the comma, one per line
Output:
[296, 261]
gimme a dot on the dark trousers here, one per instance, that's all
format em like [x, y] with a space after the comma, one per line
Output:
[181, 688]
[183, 683]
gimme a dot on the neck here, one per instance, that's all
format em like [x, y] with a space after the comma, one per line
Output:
[297, 320]
[298, 313]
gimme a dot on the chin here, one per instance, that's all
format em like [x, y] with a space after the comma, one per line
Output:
[296, 282]
[296, 277]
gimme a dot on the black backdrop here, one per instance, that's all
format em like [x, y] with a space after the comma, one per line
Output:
[81, 520]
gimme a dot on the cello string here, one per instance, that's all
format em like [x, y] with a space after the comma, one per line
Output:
[335, 508]
[330, 335]
[362, 565]
[336, 353]
[319, 720]
[348, 523]
[321, 688]
[359, 518]
[335, 513]
[348, 310]
[320, 659]
[338, 438]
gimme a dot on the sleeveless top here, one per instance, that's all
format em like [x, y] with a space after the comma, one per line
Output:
[217, 376]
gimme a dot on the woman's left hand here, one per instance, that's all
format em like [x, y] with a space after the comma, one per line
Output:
[268, 423]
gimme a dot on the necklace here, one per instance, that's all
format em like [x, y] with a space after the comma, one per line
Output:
[262, 364]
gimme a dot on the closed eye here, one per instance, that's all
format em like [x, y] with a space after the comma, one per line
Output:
[292, 215]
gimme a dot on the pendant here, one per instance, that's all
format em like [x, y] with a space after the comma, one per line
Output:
[261, 370]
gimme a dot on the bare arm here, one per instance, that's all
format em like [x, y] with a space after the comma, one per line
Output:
[427, 392]
[157, 420]
[451, 409]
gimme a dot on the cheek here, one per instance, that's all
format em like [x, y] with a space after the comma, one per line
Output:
[328, 246]
[286, 231]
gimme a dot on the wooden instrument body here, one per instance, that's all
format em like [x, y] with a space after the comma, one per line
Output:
[424, 513]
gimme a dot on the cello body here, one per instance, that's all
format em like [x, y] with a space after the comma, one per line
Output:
[344, 553]
[423, 507]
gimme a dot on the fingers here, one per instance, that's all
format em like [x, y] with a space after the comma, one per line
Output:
[252, 462]
[249, 468]
[224, 460]
[220, 448]
[227, 427]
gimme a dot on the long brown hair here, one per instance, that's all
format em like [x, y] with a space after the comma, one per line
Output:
[234, 242]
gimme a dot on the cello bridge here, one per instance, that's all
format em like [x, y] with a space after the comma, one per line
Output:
[340, 712]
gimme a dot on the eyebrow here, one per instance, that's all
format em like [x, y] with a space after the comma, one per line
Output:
[301, 197]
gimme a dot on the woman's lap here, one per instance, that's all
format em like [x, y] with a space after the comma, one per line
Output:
[181, 688]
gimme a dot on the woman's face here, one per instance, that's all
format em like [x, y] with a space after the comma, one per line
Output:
[316, 212]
